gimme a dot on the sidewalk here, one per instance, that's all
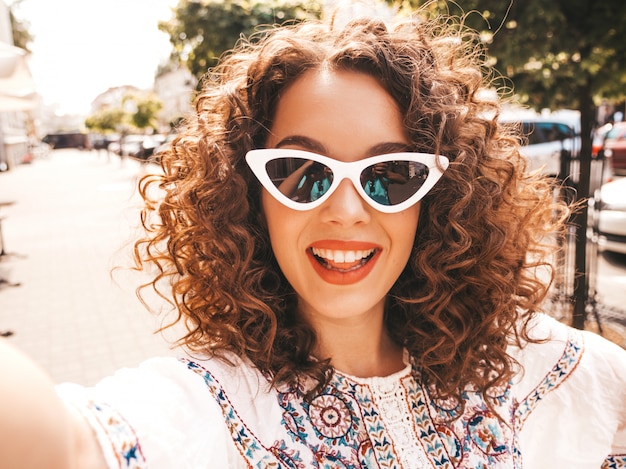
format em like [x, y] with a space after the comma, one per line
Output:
[73, 215]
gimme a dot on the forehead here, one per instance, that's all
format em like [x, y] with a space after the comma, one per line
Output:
[347, 112]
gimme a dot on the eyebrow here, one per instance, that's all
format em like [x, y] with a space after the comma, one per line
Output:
[389, 147]
[303, 142]
[316, 146]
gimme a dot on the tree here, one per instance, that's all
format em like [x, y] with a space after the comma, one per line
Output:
[557, 54]
[136, 111]
[106, 120]
[202, 30]
[145, 111]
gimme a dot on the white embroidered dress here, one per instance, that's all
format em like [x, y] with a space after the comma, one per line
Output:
[567, 410]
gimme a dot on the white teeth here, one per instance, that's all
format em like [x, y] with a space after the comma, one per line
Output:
[341, 257]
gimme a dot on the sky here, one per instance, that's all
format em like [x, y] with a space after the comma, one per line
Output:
[82, 48]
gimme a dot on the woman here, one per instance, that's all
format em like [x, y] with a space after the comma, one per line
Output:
[344, 331]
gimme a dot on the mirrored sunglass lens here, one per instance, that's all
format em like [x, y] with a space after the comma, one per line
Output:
[393, 182]
[300, 179]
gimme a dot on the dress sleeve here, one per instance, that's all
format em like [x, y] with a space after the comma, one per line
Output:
[571, 408]
[614, 360]
[158, 415]
[609, 361]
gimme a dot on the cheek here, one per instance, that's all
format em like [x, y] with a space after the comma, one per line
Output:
[279, 221]
[410, 221]
[269, 211]
[406, 228]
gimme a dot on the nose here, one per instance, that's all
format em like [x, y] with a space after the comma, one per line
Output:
[345, 206]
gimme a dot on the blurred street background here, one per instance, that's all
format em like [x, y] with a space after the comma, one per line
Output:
[67, 220]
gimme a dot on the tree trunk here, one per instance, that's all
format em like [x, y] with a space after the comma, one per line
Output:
[579, 219]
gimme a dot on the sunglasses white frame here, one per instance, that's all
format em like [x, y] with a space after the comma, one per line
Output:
[258, 159]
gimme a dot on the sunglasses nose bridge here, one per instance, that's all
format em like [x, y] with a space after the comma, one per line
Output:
[346, 171]
[356, 173]
[342, 171]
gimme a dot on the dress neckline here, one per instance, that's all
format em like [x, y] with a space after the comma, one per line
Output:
[377, 381]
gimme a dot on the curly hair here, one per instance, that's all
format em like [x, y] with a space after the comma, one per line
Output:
[471, 284]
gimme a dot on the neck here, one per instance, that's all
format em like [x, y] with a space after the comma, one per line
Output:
[359, 348]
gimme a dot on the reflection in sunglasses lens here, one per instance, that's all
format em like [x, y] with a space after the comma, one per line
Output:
[300, 179]
[388, 183]
[393, 182]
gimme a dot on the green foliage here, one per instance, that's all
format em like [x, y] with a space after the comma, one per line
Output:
[557, 53]
[202, 30]
[106, 121]
[145, 112]
[135, 111]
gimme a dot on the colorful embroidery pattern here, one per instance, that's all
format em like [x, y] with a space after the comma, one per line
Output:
[330, 416]
[433, 442]
[562, 370]
[343, 427]
[333, 427]
[248, 445]
[124, 443]
[615, 461]
[478, 437]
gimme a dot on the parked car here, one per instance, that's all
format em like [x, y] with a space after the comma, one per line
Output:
[67, 140]
[549, 139]
[614, 148]
[608, 215]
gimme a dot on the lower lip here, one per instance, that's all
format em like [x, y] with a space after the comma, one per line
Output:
[337, 277]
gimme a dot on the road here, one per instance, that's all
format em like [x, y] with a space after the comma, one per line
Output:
[611, 282]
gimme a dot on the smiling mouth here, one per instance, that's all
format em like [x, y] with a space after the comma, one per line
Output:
[342, 260]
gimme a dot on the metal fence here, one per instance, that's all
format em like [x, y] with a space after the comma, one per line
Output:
[562, 297]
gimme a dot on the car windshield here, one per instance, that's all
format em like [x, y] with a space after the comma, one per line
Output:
[543, 132]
